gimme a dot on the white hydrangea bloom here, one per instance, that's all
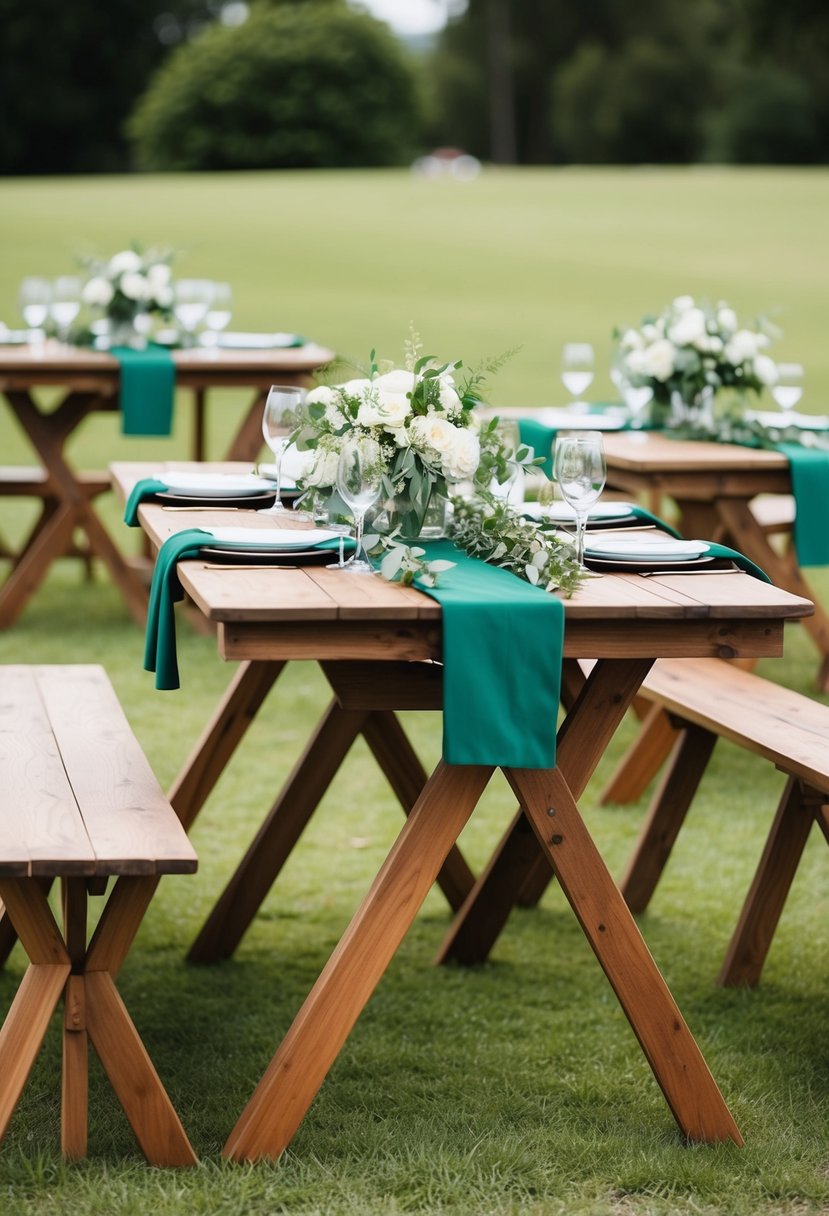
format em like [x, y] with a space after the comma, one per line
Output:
[98, 292]
[125, 262]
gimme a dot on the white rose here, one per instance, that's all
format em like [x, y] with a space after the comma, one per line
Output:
[125, 262]
[398, 382]
[727, 319]
[683, 303]
[462, 456]
[163, 296]
[98, 292]
[632, 340]
[323, 394]
[449, 398]
[430, 431]
[658, 360]
[389, 410]
[650, 333]
[158, 276]
[635, 364]
[356, 388]
[689, 329]
[744, 345]
[765, 369]
[323, 470]
[134, 286]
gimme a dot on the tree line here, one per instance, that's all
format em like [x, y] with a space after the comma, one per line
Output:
[223, 84]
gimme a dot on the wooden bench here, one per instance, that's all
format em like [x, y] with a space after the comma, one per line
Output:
[707, 699]
[78, 802]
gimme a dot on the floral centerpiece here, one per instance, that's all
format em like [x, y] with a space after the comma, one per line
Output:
[126, 290]
[690, 351]
[419, 424]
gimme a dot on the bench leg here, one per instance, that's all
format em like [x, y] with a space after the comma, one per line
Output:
[750, 942]
[642, 760]
[666, 815]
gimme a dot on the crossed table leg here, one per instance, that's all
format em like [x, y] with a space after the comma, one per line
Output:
[449, 797]
[62, 964]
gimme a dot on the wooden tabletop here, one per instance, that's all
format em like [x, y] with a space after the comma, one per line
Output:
[25, 367]
[656, 461]
[317, 613]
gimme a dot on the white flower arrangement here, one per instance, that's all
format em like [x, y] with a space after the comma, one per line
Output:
[691, 348]
[418, 423]
[130, 284]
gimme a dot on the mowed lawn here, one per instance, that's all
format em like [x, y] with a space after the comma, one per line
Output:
[516, 1087]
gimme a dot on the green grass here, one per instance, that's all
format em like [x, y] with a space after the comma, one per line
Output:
[516, 1087]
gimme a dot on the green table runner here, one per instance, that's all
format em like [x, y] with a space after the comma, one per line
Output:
[147, 389]
[165, 590]
[738, 559]
[540, 437]
[502, 648]
[143, 489]
[810, 487]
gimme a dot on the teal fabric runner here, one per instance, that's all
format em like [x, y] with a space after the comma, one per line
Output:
[540, 437]
[145, 488]
[810, 486]
[160, 635]
[147, 389]
[737, 558]
[502, 649]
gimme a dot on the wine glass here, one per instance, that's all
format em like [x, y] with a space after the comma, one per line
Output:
[219, 312]
[359, 478]
[636, 397]
[788, 388]
[580, 470]
[191, 300]
[34, 297]
[577, 370]
[65, 303]
[280, 418]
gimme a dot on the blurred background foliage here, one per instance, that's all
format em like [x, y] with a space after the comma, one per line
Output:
[223, 84]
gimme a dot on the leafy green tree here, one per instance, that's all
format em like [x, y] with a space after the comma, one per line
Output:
[295, 86]
[70, 71]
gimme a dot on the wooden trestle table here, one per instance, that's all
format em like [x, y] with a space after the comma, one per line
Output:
[377, 643]
[90, 381]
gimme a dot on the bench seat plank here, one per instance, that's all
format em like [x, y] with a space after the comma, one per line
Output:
[41, 829]
[78, 793]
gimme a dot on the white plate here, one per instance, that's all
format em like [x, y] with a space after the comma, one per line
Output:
[215, 485]
[644, 547]
[242, 341]
[274, 539]
[773, 418]
[571, 420]
[563, 513]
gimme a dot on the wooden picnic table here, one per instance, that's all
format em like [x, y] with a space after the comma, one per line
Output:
[713, 485]
[90, 382]
[379, 645]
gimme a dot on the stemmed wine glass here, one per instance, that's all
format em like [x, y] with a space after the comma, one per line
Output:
[219, 312]
[577, 370]
[280, 418]
[580, 470]
[788, 388]
[190, 304]
[511, 490]
[65, 303]
[359, 479]
[637, 398]
[35, 296]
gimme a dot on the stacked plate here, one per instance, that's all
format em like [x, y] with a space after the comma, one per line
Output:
[602, 514]
[573, 420]
[225, 489]
[272, 546]
[645, 551]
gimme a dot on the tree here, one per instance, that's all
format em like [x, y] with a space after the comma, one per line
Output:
[295, 86]
[69, 75]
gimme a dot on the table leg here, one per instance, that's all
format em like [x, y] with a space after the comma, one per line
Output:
[749, 537]
[220, 738]
[518, 866]
[74, 1104]
[321, 1027]
[247, 443]
[669, 1047]
[199, 419]
[281, 829]
[32, 566]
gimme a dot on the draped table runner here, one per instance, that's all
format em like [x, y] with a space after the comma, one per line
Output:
[502, 647]
[147, 388]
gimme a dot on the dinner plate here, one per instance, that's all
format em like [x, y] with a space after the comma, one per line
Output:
[284, 540]
[806, 422]
[258, 341]
[645, 547]
[563, 513]
[565, 420]
[653, 565]
[272, 557]
[261, 499]
[215, 485]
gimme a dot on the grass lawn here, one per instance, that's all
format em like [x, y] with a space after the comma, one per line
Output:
[516, 1087]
